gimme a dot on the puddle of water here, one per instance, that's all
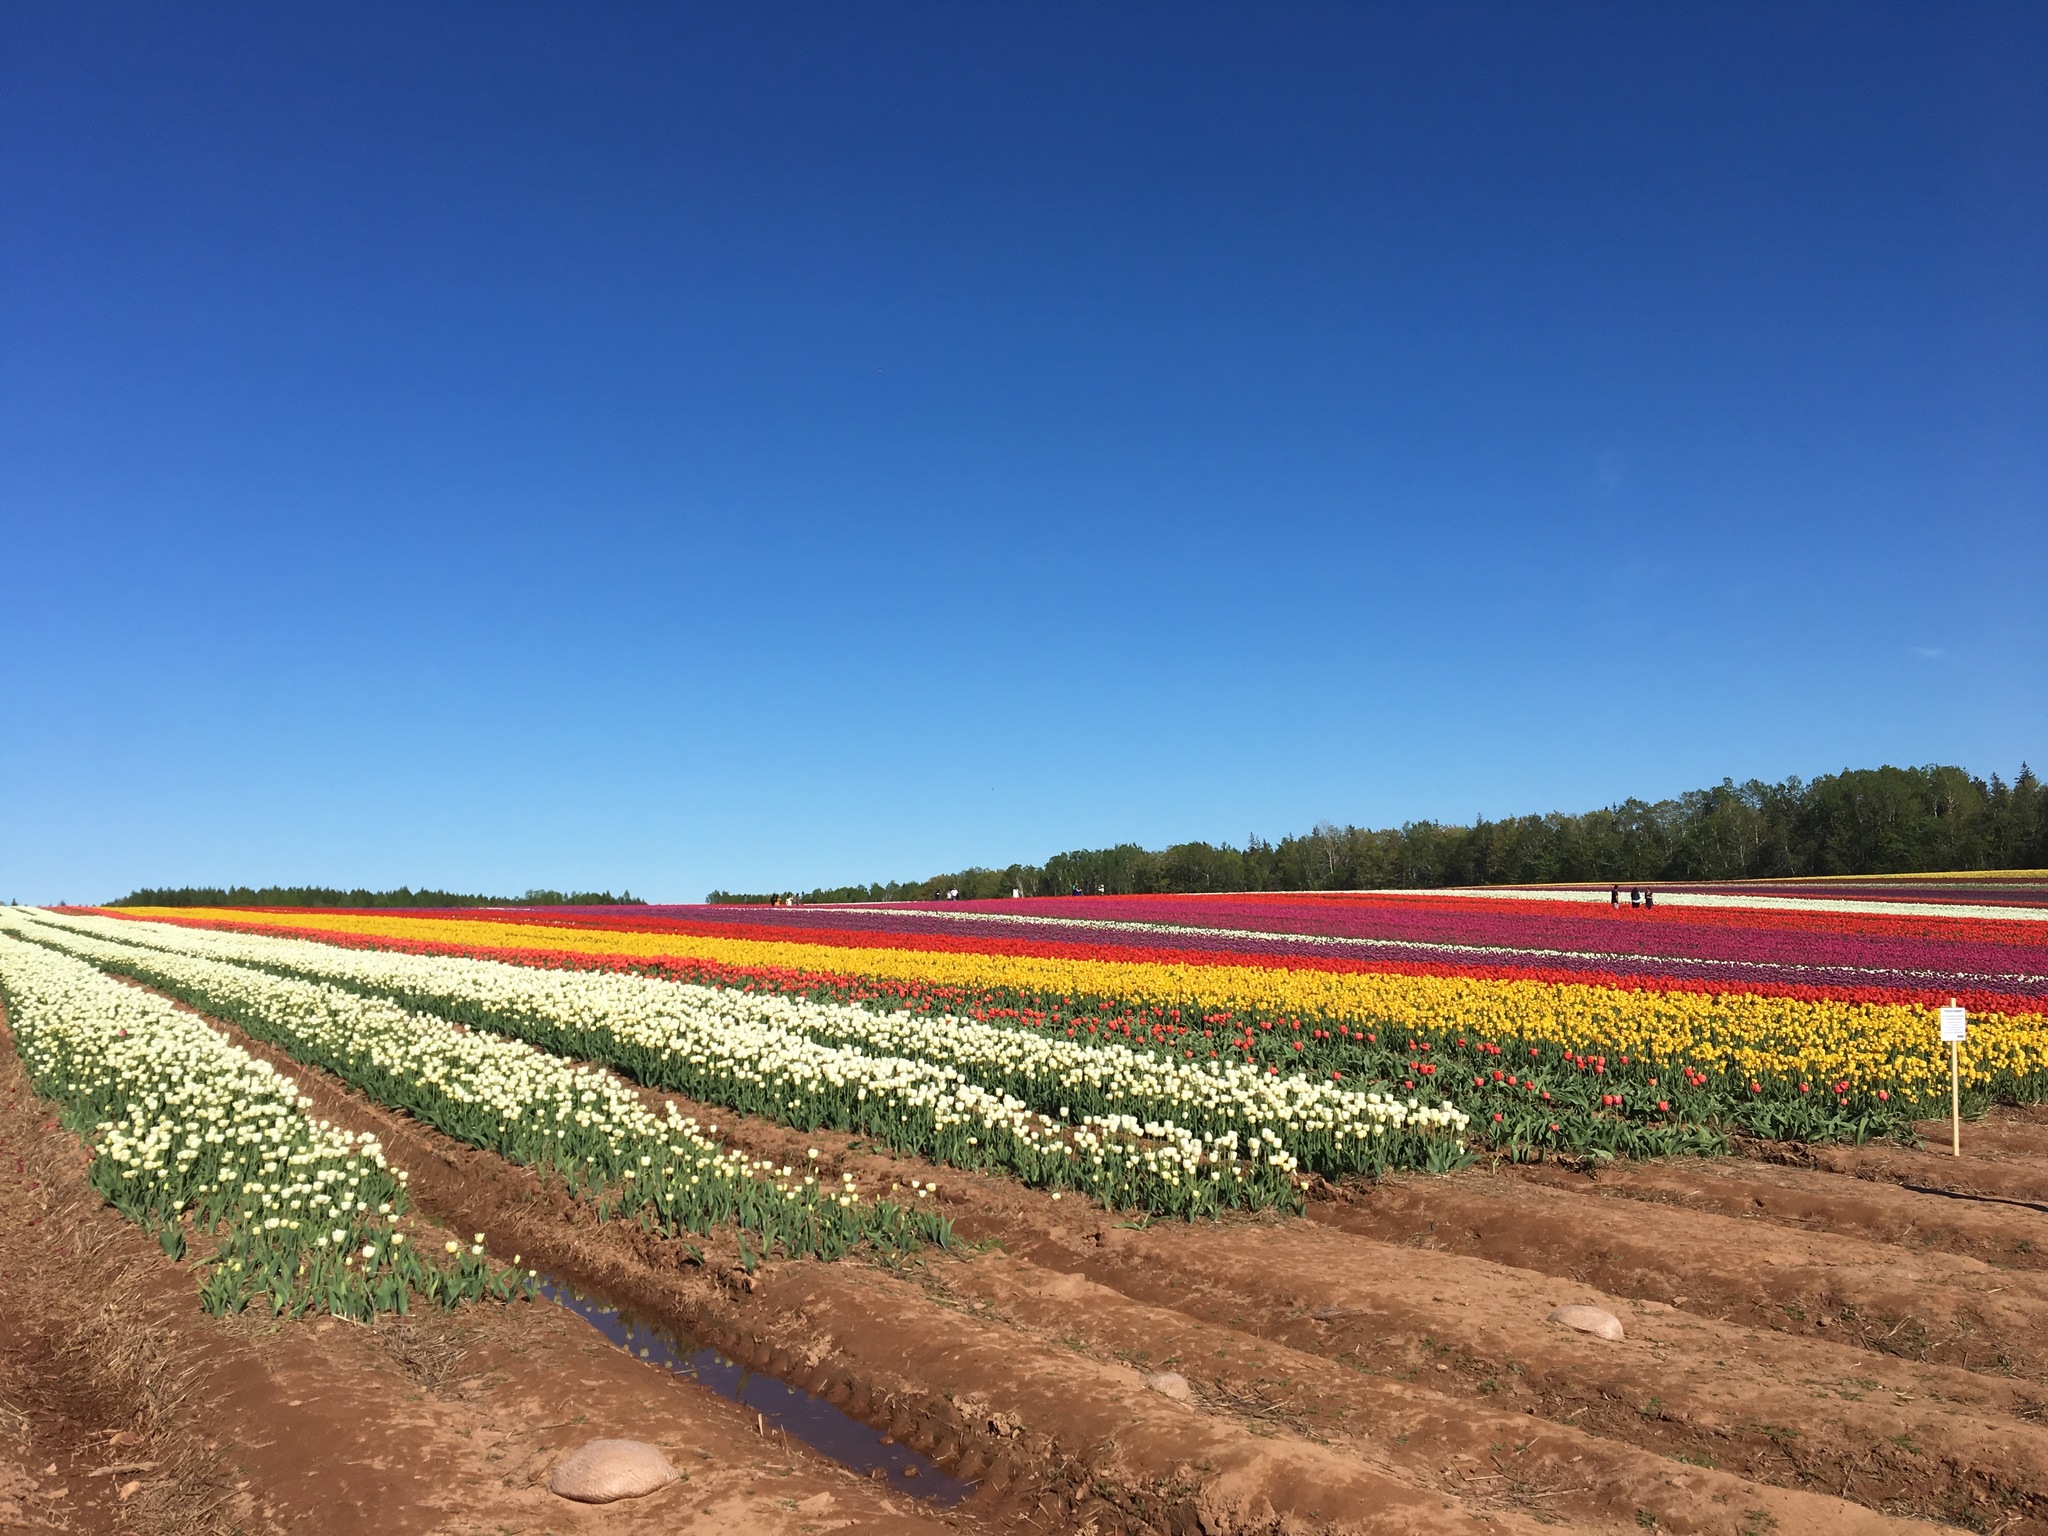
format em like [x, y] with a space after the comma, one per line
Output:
[797, 1413]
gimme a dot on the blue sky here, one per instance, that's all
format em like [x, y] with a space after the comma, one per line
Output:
[667, 447]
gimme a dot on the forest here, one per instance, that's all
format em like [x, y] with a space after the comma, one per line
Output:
[324, 896]
[1864, 821]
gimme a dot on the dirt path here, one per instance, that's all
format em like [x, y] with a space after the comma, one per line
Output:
[1485, 1454]
[2004, 1160]
[1922, 1304]
[2000, 1234]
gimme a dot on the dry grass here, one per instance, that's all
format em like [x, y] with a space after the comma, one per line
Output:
[429, 1347]
[114, 1356]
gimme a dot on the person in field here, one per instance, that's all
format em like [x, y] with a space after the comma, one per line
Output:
[1614, 897]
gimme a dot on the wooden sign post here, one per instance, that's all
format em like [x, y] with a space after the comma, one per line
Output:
[1955, 1028]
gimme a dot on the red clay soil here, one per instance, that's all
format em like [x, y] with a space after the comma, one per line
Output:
[1999, 1233]
[1918, 1303]
[2004, 1160]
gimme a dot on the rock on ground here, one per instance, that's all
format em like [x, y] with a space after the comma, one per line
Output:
[605, 1470]
[1602, 1325]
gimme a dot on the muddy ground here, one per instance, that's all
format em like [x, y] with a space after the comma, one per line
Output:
[1818, 1340]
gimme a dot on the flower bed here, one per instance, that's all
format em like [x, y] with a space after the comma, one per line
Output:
[205, 1147]
[508, 1097]
[1799, 1061]
[1132, 1126]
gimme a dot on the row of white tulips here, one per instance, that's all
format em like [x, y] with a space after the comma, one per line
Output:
[196, 1141]
[759, 1069]
[509, 1097]
[1094, 1113]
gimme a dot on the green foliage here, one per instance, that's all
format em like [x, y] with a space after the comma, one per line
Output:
[1867, 821]
[323, 896]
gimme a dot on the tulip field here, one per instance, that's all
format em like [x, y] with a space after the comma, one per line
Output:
[1528, 1021]
[1178, 1212]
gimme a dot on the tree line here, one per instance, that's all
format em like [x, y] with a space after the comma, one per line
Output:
[324, 896]
[1866, 821]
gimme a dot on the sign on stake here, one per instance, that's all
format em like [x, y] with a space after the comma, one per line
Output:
[1955, 1028]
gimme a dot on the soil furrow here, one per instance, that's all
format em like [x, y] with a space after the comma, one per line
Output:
[2007, 1181]
[2016, 1132]
[1999, 1234]
[1895, 1433]
[1785, 1410]
[1952, 1309]
[1424, 1435]
[1207, 1471]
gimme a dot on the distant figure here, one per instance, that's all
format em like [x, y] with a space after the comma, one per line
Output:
[1614, 897]
[1635, 897]
[1016, 893]
[1077, 890]
[953, 894]
[1649, 899]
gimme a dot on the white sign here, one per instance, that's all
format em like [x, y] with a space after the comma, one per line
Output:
[1955, 1024]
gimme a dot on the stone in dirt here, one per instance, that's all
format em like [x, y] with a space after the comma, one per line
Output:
[1171, 1384]
[1602, 1325]
[605, 1470]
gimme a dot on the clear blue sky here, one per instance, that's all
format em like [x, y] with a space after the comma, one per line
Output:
[666, 447]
